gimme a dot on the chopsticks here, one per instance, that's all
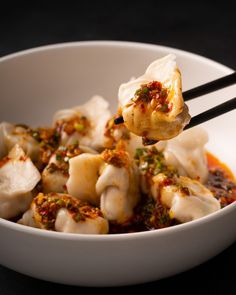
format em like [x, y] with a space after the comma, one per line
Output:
[210, 87]
[203, 117]
[204, 89]
[212, 113]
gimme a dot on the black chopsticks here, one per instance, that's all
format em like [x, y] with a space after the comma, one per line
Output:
[204, 89]
[212, 113]
[210, 87]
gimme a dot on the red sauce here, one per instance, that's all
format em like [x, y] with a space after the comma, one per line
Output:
[149, 215]
[221, 181]
[214, 163]
[153, 91]
[4, 161]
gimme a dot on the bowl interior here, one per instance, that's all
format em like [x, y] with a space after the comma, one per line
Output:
[36, 83]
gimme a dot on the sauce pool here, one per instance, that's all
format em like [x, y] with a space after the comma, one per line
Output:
[221, 181]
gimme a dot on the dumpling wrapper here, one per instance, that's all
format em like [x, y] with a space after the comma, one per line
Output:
[64, 222]
[114, 188]
[118, 188]
[18, 177]
[55, 180]
[185, 207]
[187, 154]
[152, 123]
[97, 112]
[83, 175]
[11, 135]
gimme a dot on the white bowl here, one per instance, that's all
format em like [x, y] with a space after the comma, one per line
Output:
[33, 85]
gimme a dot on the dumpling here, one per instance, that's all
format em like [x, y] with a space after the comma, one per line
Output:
[83, 175]
[85, 123]
[187, 154]
[18, 177]
[17, 134]
[108, 179]
[152, 105]
[118, 186]
[187, 199]
[63, 213]
[56, 173]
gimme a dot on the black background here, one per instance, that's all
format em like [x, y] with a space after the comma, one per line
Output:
[208, 29]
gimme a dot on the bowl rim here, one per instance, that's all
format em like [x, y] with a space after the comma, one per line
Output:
[130, 236]
[111, 43]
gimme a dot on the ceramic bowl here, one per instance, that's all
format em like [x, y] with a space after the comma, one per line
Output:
[33, 85]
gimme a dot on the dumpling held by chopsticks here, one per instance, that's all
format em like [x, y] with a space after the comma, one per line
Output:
[152, 105]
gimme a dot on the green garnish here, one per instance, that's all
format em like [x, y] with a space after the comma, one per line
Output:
[79, 127]
[138, 153]
[145, 90]
[150, 160]
[58, 157]
[78, 217]
[36, 136]
[60, 202]
[164, 108]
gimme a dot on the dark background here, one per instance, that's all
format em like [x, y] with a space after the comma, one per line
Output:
[208, 29]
